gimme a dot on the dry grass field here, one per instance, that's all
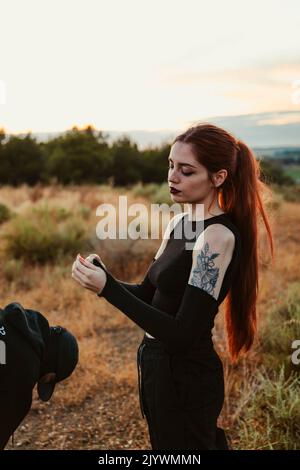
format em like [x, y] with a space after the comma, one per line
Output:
[98, 406]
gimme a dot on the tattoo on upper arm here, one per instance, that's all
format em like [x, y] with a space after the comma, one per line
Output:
[205, 273]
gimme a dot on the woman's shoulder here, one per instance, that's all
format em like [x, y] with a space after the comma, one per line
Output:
[224, 228]
[217, 235]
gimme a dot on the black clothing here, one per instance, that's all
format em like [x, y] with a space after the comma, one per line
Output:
[181, 397]
[182, 381]
[29, 349]
[179, 314]
[25, 334]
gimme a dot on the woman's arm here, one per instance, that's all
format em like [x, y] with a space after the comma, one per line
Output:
[195, 317]
[145, 290]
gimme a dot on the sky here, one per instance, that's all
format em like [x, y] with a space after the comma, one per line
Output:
[152, 65]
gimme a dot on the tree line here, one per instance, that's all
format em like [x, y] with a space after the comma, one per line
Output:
[82, 156]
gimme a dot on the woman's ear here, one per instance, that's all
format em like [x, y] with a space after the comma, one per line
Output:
[219, 177]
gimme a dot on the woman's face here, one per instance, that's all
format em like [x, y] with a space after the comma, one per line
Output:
[187, 175]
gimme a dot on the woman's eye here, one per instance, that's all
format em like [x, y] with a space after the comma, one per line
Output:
[185, 174]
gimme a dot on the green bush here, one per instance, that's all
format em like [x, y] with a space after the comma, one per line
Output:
[43, 236]
[280, 328]
[273, 171]
[13, 269]
[162, 195]
[268, 417]
[5, 213]
[289, 193]
[157, 193]
[57, 214]
[145, 190]
[13, 272]
[84, 212]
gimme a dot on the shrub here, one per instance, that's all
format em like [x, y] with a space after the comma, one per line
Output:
[13, 269]
[265, 419]
[162, 195]
[280, 328]
[5, 213]
[272, 171]
[43, 236]
[145, 190]
[289, 193]
[44, 212]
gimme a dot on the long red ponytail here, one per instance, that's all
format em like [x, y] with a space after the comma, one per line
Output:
[241, 196]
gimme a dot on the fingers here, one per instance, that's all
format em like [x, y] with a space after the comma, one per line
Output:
[85, 266]
[80, 268]
[83, 270]
[81, 278]
[78, 276]
[90, 258]
[88, 264]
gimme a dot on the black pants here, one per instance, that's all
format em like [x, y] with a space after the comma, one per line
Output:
[181, 396]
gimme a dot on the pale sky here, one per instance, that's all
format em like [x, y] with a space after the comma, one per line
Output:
[135, 64]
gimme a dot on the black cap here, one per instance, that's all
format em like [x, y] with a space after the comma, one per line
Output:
[61, 357]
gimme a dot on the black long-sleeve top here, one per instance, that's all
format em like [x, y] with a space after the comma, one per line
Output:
[178, 299]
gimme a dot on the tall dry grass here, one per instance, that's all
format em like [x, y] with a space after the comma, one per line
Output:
[261, 409]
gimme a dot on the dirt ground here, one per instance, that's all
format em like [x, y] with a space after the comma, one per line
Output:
[109, 419]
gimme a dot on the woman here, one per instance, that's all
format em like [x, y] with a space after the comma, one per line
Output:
[177, 301]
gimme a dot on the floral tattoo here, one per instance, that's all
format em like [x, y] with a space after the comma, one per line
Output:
[205, 274]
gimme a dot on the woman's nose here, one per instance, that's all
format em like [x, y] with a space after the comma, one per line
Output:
[173, 176]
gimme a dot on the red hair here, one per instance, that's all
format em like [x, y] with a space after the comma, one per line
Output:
[240, 195]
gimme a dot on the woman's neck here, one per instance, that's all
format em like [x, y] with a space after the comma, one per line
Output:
[200, 212]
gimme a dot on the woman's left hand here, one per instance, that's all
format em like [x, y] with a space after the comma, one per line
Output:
[88, 275]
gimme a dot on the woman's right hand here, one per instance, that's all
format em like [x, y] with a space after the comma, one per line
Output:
[92, 256]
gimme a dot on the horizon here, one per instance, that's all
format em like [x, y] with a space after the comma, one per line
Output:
[260, 131]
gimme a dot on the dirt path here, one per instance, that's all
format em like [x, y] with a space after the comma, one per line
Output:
[109, 419]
